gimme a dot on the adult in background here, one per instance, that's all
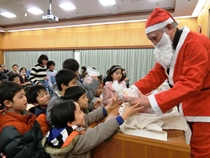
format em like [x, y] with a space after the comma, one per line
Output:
[4, 68]
[182, 57]
[3, 76]
[14, 70]
[38, 74]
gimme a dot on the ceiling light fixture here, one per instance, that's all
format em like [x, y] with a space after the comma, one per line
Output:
[107, 2]
[35, 11]
[67, 6]
[8, 15]
[198, 8]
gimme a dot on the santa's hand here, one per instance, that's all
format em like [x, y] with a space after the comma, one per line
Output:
[139, 94]
[135, 101]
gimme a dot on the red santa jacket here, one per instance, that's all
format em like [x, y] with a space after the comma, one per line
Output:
[190, 76]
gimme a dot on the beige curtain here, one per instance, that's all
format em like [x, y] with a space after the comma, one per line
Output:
[29, 58]
[137, 62]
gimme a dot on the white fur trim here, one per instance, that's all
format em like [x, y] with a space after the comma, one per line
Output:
[194, 118]
[154, 104]
[184, 34]
[180, 109]
[158, 25]
[197, 118]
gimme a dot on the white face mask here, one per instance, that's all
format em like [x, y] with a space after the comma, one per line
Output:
[164, 51]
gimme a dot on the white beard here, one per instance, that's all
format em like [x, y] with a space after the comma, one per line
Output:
[164, 51]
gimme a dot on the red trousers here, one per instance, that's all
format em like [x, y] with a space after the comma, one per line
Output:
[200, 140]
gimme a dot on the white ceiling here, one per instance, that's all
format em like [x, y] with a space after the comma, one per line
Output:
[88, 11]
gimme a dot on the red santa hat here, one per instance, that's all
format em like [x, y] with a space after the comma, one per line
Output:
[158, 19]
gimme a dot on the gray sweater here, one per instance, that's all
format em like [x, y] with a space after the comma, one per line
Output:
[90, 93]
[81, 145]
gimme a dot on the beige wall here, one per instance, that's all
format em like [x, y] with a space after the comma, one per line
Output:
[203, 19]
[1, 52]
[125, 35]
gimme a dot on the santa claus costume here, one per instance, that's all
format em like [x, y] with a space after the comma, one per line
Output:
[189, 77]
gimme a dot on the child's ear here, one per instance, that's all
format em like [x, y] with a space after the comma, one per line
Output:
[77, 72]
[63, 86]
[69, 124]
[7, 103]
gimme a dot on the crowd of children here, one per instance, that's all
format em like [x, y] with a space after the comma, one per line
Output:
[59, 120]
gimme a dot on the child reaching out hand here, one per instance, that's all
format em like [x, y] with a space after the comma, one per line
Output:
[68, 137]
[78, 94]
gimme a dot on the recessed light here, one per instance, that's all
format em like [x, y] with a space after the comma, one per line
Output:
[198, 7]
[8, 15]
[107, 2]
[67, 6]
[35, 11]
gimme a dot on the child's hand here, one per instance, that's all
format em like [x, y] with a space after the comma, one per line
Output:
[131, 110]
[142, 101]
[97, 103]
[115, 103]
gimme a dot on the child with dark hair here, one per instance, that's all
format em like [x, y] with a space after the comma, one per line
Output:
[83, 73]
[24, 79]
[51, 72]
[64, 79]
[97, 100]
[15, 78]
[69, 136]
[115, 73]
[39, 97]
[20, 133]
[72, 64]
[78, 94]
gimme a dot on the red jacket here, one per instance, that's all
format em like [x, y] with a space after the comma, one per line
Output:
[22, 123]
[189, 75]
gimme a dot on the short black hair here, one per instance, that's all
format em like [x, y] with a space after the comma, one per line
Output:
[62, 113]
[84, 68]
[112, 70]
[42, 57]
[8, 90]
[14, 65]
[74, 93]
[13, 76]
[32, 93]
[71, 64]
[22, 69]
[100, 79]
[64, 77]
[50, 63]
